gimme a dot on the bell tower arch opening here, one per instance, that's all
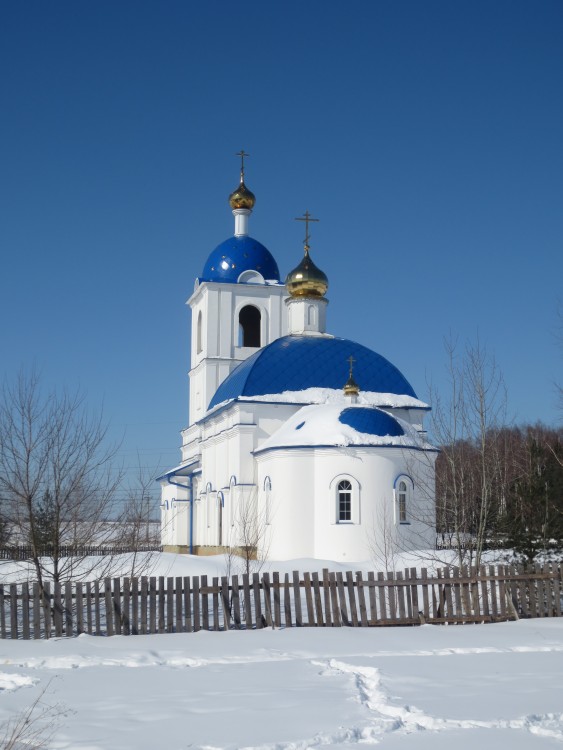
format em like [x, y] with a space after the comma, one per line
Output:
[249, 326]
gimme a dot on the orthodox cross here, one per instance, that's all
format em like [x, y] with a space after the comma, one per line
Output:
[351, 360]
[242, 153]
[306, 218]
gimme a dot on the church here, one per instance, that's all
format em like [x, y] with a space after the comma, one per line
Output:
[299, 443]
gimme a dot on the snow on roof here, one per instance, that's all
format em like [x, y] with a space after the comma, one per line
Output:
[336, 396]
[321, 425]
[299, 362]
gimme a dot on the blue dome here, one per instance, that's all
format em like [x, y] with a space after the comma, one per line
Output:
[371, 422]
[293, 363]
[238, 254]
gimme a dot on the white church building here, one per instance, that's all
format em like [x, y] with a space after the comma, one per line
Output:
[299, 443]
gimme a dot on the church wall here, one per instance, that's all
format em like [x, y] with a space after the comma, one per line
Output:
[304, 498]
[290, 532]
[371, 474]
[174, 516]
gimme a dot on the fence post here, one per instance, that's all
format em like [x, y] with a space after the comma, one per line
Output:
[14, 610]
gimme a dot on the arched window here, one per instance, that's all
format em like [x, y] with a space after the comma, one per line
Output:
[402, 501]
[199, 346]
[403, 489]
[249, 326]
[344, 500]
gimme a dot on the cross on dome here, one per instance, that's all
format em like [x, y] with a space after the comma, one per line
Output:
[242, 198]
[351, 388]
[242, 153]
[307, 218]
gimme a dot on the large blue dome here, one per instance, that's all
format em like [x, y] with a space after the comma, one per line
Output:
[238, 254]
[294, 363]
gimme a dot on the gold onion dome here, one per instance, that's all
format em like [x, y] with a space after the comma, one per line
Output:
[306, 280]
[242, 197]
[351, 388]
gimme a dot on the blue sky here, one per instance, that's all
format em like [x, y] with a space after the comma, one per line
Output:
[425, 136]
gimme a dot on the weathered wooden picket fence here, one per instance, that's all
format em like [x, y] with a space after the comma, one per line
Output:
[26, 552]
[132, 606]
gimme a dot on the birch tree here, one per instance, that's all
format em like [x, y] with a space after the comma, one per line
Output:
[57, 478]
[466, 425]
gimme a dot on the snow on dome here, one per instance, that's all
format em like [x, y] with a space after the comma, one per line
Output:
[339, 425]
[236, 255]
[335, 396]
[296, 363]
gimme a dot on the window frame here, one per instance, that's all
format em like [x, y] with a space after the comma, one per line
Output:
[344, 501]
[403, 489]
[334, 488]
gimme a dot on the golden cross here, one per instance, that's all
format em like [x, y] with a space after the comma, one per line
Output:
[242, 153]
[306, 218]
[351, 360]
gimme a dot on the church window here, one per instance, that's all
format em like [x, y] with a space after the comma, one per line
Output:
[403, 489]
[198, 334]
[402, 500]
[344, 500]
[249, 326]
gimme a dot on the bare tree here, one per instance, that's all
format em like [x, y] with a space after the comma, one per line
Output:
[140, 534]
[249, 542]
[34, 727]
[383, 543]
[57, 478]
[469, 470]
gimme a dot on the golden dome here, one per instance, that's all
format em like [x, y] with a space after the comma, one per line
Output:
[242, 197]
[306, 280]
[351, 388]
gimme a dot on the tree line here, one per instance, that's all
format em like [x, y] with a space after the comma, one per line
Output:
[519, 475]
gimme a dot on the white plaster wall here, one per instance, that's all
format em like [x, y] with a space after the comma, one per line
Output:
[291, 531]
[306, 315]
[174, 516]
[304, 498]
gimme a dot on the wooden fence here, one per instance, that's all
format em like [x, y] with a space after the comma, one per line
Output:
[132, 606]
[25, 552]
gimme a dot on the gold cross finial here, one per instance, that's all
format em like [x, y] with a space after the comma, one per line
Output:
[351, 388]
[307, 219]
[242, 153]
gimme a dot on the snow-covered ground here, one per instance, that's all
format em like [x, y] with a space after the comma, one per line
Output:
[424, 687]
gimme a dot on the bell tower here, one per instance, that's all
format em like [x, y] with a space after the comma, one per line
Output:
[237, 305]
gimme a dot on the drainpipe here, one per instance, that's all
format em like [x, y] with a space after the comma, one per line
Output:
[191, 487]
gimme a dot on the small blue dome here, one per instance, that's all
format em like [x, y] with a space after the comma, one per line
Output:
[294, 363]
[371, 422]
[238, 254]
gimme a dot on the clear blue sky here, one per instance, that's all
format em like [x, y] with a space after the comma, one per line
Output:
[426, 136]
